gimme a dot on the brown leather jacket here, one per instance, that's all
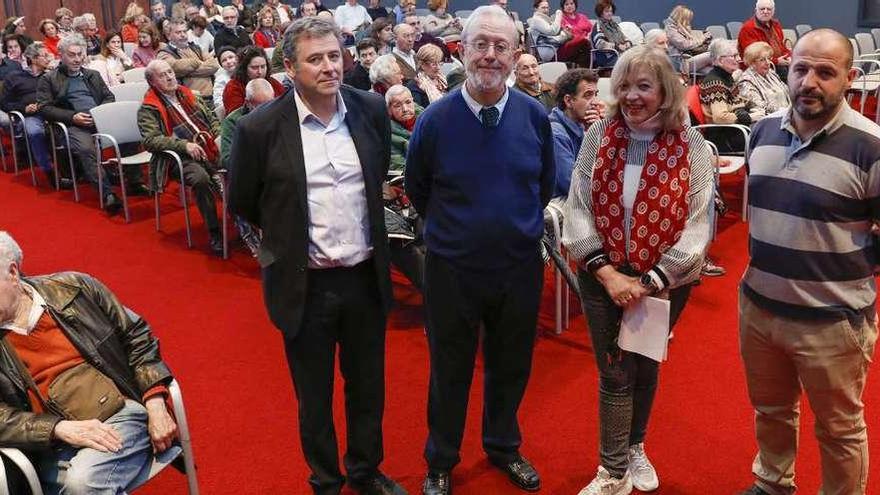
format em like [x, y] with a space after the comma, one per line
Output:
[109, 336]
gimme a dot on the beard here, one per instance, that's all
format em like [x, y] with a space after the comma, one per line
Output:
[826, 105]
[483, 81]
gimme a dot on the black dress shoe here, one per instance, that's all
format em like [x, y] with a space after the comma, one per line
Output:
[437, 483]
[112, 205]
[521, 473]
[377, 485]
[138, 189]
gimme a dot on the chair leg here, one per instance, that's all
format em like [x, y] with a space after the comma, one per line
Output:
[225, 233]
[30, 156]
[745, 212]
[158, 215]
[185, 211]
[185, 439]
[122, 190]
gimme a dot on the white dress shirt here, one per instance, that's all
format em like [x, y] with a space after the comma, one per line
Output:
[351, 17]
[339, 233]
[476, 106]
[409, 58]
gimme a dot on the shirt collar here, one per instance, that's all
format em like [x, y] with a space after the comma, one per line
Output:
[829, 128]
[306, 115]
[38, 305]
[475, 106]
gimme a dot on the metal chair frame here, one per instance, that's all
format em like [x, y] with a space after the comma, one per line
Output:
[27, 468]
[593, 53]
[15, 136]
[62, 128]
[736, 166]
[160, 181]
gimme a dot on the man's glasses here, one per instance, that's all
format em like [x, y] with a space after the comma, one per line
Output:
[500, 47]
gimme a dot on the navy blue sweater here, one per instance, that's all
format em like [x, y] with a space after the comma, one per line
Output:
[481, 190]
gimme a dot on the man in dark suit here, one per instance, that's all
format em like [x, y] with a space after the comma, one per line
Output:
[308, 171]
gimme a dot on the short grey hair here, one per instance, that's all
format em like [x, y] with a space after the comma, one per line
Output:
[721, 47]
[72, 39]
[256, 87]
[229, 7]
[393, 91]
[33, 50]
[10, 251]
[308, 27]
[383, 67]
[80, 22]
[472, 25]
[758, 3]
[652, 35]
[177, 21]
[152, 68]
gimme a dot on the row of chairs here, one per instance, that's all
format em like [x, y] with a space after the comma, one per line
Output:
[116, 125]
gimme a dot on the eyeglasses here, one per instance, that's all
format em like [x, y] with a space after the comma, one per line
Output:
[501, 47]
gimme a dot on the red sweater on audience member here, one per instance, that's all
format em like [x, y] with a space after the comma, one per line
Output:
[753, 31]
[233, 94]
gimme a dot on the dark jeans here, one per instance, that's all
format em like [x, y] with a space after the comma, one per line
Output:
[197, 176]
[458, 302]
[409, 258]
[342, 309]
[627, 381]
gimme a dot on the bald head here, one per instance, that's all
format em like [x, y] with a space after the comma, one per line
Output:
[825, 42]
[406, 37]
[257, 92]
[526, 71]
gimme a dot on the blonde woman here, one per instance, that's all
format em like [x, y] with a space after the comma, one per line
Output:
[637, 223]
[683, 41]
[429, 84]
[759, 84]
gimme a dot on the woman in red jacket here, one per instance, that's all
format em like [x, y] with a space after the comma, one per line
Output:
[49, 30]
[267, 34]
[252, 64]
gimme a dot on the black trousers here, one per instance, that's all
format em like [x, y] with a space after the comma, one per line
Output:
[198, 176]
[458, 302]
[343, 310]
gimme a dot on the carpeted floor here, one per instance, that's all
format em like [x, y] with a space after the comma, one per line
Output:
[228, 358]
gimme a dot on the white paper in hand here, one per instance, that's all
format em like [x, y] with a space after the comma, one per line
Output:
[645, 328]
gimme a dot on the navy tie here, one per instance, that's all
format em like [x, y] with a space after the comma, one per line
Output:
[489, 116]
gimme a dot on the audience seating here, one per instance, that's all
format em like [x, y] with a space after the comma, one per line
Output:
[632, 32]
[875, 32]
[279, 76]
[447, 67]
[789, 36]
[423, 12]
[117, 124]
[57, 131]
[802, 29]
[603, 87]
[866, 46]
[16, 132]
[135, 75]
[647, 26]
[733, 28]
[718, 32]
[551, 71]
[131, 91]
[596, 51]
[561, 288]
[544, 52]
[463, 14]
[185, 450]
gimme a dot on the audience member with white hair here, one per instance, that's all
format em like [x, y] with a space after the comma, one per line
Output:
[403, 49]
[256, 92]
[759, 83]
[384, 73]
[231, 33]
[86, 26]
[656, 38]
[719, 95]
[172, 118]
[763, 27]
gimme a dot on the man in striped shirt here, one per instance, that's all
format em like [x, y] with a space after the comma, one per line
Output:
[807, 303]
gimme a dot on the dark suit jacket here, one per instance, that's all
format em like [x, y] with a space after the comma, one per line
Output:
[268, 188]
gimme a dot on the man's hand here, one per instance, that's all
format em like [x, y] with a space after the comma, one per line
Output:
[32, 108]
[160, 424]
[91, 433]
[617, 285]
[195, 151]
[82, 119]
[595, 112]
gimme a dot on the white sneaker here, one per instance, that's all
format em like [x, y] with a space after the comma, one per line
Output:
[605, 484]
[644, 477]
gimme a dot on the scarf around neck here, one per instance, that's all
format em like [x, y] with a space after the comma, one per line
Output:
[660, 209]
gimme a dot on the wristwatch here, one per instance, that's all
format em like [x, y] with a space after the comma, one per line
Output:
[647, 282]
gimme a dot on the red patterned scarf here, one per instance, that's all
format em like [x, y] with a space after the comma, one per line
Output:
[660, 208]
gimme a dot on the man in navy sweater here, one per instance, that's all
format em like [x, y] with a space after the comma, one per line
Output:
[480, 169]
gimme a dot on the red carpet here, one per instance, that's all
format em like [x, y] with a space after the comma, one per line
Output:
[229, 360]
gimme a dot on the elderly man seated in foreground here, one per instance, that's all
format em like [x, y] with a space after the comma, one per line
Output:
[172, 118]
[83, 388]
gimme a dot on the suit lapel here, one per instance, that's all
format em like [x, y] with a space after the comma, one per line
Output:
[293, 149]
[361, 135]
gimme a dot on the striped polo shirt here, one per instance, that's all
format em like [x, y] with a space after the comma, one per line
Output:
[811, 206]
